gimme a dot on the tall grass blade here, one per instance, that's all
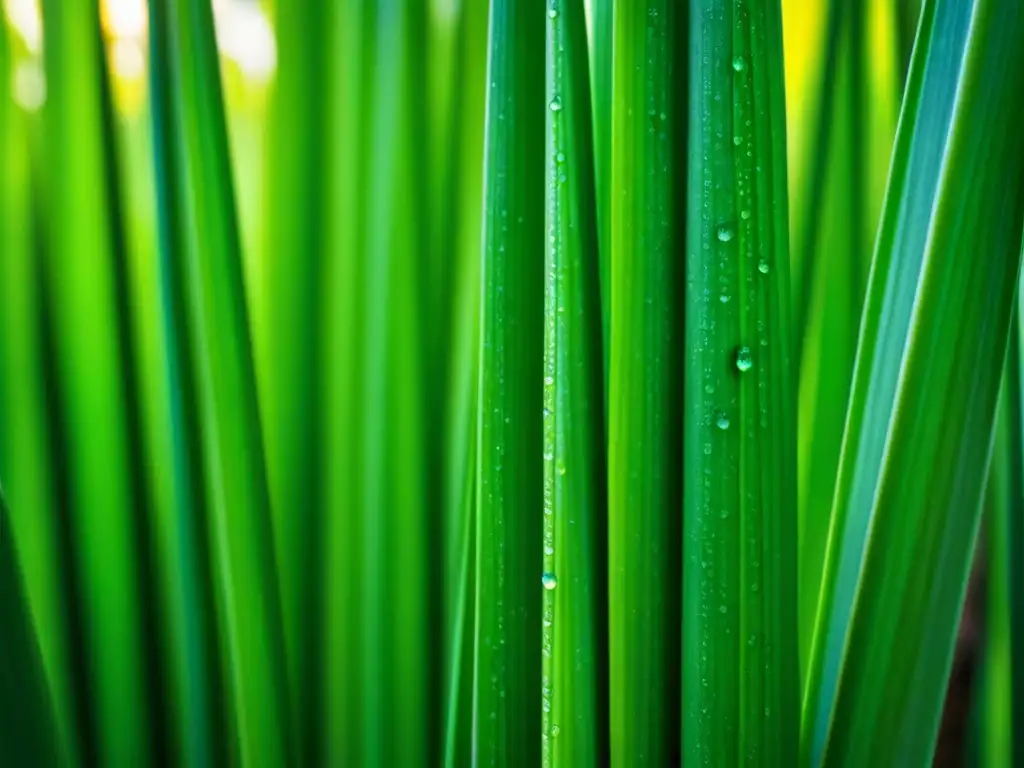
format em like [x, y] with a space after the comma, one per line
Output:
[507, 670]
[24, 422]
[96, 377]
[202, 270]
[395, 575]
[575, 492]
[740, 678]
[463, 313]
[347, 76]
[932, 342]
[601, 47]
[644, 455]
[293, 250]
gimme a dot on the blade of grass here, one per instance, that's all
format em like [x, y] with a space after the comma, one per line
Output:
[932, 341]
[575, 523]
[467, 158]
[96, 378]
[644, 413]
[24, 421]
[395, 535]
[203, 273]
[350, 24]
[741, 683]
[601, 44]
[293, 252]
[507, 667]
[28, 729]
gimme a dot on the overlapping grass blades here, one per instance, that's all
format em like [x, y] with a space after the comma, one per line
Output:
[843, 140]
[507, 707]
[644, 453]
[932, 341]
[574, 645]
[213, 367]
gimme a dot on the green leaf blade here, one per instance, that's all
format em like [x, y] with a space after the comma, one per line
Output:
[574, 677]
[740, 681]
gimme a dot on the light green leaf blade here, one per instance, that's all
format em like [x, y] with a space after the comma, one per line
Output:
[575, 518]
[95, 380]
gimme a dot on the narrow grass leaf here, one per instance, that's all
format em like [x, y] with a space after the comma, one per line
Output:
[203, 272]
[644, 454]
[463, 315]
[740, 679]
[507, 673]
[575, 518]
[95, 380]
[25, 447]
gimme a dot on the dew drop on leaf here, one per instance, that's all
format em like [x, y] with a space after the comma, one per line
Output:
[744, 360]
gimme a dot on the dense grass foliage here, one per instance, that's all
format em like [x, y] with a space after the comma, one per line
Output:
[513, 382]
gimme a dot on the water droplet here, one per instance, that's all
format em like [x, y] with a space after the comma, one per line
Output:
[549, 381]
[739, 64]
[560, 157]
[762, 267]
[561, 467]
[722, 609]
[725, 233]
[709, 388]
[549, 581]
[555, 730]
[707, 449]
[737, 140]
[549, 550]
[722, 421]
[553, 13]
[556, 104]
[724, 298]
[744, 360]
[745, 214]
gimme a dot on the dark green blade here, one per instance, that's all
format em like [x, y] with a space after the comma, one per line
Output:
[644, 483]
[507, 672]
[28, 729]
[740, 678]
[25, 447]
